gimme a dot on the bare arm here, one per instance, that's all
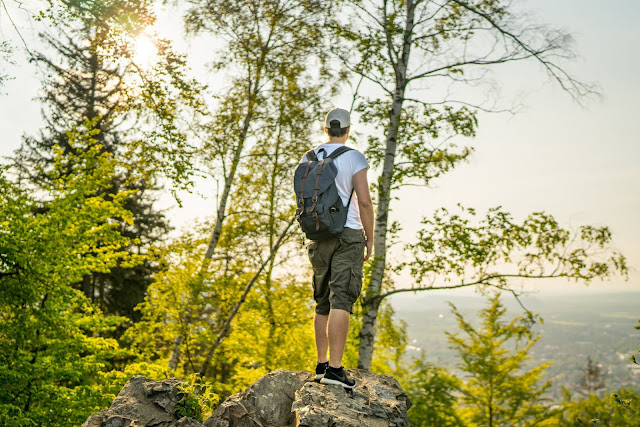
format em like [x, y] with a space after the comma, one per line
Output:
[361, 186]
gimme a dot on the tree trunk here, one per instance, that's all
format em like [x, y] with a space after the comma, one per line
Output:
[220, 215]
[371, 301]
[217, 230]
[227, 323]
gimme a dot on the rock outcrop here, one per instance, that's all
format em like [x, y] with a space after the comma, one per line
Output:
[280, 398]
[143, 402]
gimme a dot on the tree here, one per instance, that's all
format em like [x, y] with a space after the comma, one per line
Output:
[267, 43]
[266, 48]
[92, 75]
[500, 389]
[458, 248]
[595, 411]
[431, 390]
[592, 381]
[415, 55]
[54, 357]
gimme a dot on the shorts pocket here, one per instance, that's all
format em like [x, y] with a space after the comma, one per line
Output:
[353, 236]
[311, 249]
[355, 283]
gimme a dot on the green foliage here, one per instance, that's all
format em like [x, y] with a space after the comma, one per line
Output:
[455, 246]
[418, 160]
[273, 330]
[5, 58]
[52, 345]
[431, 390]
[92, 75]
[499, 388]
[197, 401]
[618, 409]
[168, 300]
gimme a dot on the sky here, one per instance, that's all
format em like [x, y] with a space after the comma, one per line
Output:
[578, 163]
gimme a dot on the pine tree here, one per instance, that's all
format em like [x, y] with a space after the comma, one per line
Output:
[431, 390]
[500, 390]
[592, 380]
[85, 83]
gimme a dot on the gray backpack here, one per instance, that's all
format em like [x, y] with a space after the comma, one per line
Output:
[320, 212]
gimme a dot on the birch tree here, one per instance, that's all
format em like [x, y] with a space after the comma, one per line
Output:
[263, 44]
[263, 40]
[274, 318]
[408, 51]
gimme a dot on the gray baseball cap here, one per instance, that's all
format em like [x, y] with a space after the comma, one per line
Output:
[340, 115]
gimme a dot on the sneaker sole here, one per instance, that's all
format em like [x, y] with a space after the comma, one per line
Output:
[336, 382]
[319, 377]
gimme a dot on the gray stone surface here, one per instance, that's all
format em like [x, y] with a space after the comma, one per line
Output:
[143, 402]
[377, 401]
[280, 398]
[285, 398]
[267, 402]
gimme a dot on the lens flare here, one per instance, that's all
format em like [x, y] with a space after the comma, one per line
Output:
[145, 53]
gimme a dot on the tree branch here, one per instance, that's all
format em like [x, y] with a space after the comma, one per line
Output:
[464, 285]
[227, 323]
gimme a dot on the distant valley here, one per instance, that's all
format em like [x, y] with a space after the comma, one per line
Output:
[575, 327]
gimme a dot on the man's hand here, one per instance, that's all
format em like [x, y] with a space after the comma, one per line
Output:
[369, 245]
[361, 186]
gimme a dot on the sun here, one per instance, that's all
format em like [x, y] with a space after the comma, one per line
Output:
[145, 51]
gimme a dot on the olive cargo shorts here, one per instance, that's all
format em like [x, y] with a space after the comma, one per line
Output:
[337, 270]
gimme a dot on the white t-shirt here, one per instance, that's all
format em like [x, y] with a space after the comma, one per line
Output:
[348, 164]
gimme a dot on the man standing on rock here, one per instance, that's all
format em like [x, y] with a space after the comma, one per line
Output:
[337, 260]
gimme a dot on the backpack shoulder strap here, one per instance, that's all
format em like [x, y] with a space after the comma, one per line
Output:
[311, 156]
[339, 151]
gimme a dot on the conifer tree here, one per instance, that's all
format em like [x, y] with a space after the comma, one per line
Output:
[91, 76]
[592, 380]
[85, 85]
[431, 390]
[500, 389]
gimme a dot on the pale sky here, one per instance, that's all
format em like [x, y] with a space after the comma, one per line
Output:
[579, 164]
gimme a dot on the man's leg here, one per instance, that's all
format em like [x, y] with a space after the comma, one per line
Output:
[322, 341]
[338, 332]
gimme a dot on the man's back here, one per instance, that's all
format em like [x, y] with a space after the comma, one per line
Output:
[348, 164]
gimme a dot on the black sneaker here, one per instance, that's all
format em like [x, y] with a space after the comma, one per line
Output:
[337, 376]
[320, 370]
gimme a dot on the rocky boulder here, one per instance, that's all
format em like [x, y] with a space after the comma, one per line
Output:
[285, 398]
[143, 402]
[280, 398]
